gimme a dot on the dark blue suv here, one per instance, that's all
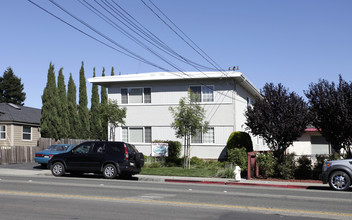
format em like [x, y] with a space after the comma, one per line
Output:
[109, 158]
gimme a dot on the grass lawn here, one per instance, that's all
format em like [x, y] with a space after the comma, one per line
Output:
[179, 171]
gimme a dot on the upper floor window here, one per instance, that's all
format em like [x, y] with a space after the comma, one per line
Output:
[135, 95]
[26, 133]
[2, 132]
[203, 93]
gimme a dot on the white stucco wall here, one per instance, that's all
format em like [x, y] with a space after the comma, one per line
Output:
[225, 114]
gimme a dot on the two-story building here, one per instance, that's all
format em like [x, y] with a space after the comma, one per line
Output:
[148, 96]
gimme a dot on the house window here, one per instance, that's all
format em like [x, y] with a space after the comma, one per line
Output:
[205, 138]
[124, 96]
[209, 136]
[137, 135]
[135, 95]
[125, 134]
[203, 93]
[2, 132]
[26, 133]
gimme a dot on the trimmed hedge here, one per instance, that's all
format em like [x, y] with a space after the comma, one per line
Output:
[239, 139]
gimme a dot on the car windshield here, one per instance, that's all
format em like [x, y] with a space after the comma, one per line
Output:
[57, 148]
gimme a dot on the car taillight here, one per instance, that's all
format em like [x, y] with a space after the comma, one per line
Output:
[126, 152]
[39, 155]
[51, 156]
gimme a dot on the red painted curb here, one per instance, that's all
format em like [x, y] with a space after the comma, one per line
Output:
[236, 183]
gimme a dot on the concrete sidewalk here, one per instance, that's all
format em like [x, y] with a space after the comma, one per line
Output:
[178, 179]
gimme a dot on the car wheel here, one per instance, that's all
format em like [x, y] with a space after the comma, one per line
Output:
[58, 169]
[110, 171]
[339, 180]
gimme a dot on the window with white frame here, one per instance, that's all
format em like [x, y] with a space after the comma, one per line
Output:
[137, 134]
[26, 133]
[135, 95]
[2, 132]
[203, 93]
[204, 138]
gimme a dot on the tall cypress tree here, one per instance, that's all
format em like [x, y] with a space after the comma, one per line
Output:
[112, 71]
[95, 122]
[103, 107]
[49, 121]
[83, 112]
[72, 109]
[63, 106]
[11, 88]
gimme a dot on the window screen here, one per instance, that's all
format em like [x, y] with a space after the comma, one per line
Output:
[136, 135]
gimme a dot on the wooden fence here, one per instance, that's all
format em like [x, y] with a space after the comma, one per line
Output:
[17, 154]
[25, 154]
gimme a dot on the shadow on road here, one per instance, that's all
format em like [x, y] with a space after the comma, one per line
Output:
[325, 188]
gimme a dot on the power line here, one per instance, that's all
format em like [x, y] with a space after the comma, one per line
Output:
[135, 56]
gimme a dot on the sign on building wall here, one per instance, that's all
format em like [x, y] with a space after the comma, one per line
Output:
[160, 149]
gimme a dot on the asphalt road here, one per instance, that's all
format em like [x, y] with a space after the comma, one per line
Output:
[92, 197]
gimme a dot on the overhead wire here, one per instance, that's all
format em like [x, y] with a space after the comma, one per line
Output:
[205, 56]
[134, 56]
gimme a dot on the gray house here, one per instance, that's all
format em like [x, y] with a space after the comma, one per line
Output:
[19, 125]
[148, 96]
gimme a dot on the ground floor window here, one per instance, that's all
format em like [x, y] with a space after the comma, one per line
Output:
[137, 134]
[26, 133]
[204, 137]
[2, 132]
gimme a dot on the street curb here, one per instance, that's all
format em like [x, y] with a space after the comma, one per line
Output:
[236, 183]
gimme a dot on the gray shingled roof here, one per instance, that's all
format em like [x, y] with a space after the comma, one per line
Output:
[22, 114]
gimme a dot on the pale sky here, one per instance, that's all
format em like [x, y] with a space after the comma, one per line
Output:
[293, 42]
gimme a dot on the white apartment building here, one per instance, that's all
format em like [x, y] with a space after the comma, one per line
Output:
[148, 96]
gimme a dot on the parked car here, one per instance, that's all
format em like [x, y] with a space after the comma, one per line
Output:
[109, 158]
[42, 157]
[338, 173]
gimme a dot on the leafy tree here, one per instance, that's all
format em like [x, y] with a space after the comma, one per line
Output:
[331, 107]
[103, 107]
[11, 88]
[95, 121]
[83, 112]
[49, 121]
[279, 117]
[115, 116]
[188, 121]
[64, 128]
[72, 109]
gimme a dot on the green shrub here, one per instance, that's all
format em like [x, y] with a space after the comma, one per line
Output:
[238, 156]
[239, 139]
[318, 165]
[225, 172]
[304, 168]
[174, 149]
[154, 165]
[267, 164]
[212, 164]
[173, 162]
[287, 168]
[195, 161]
